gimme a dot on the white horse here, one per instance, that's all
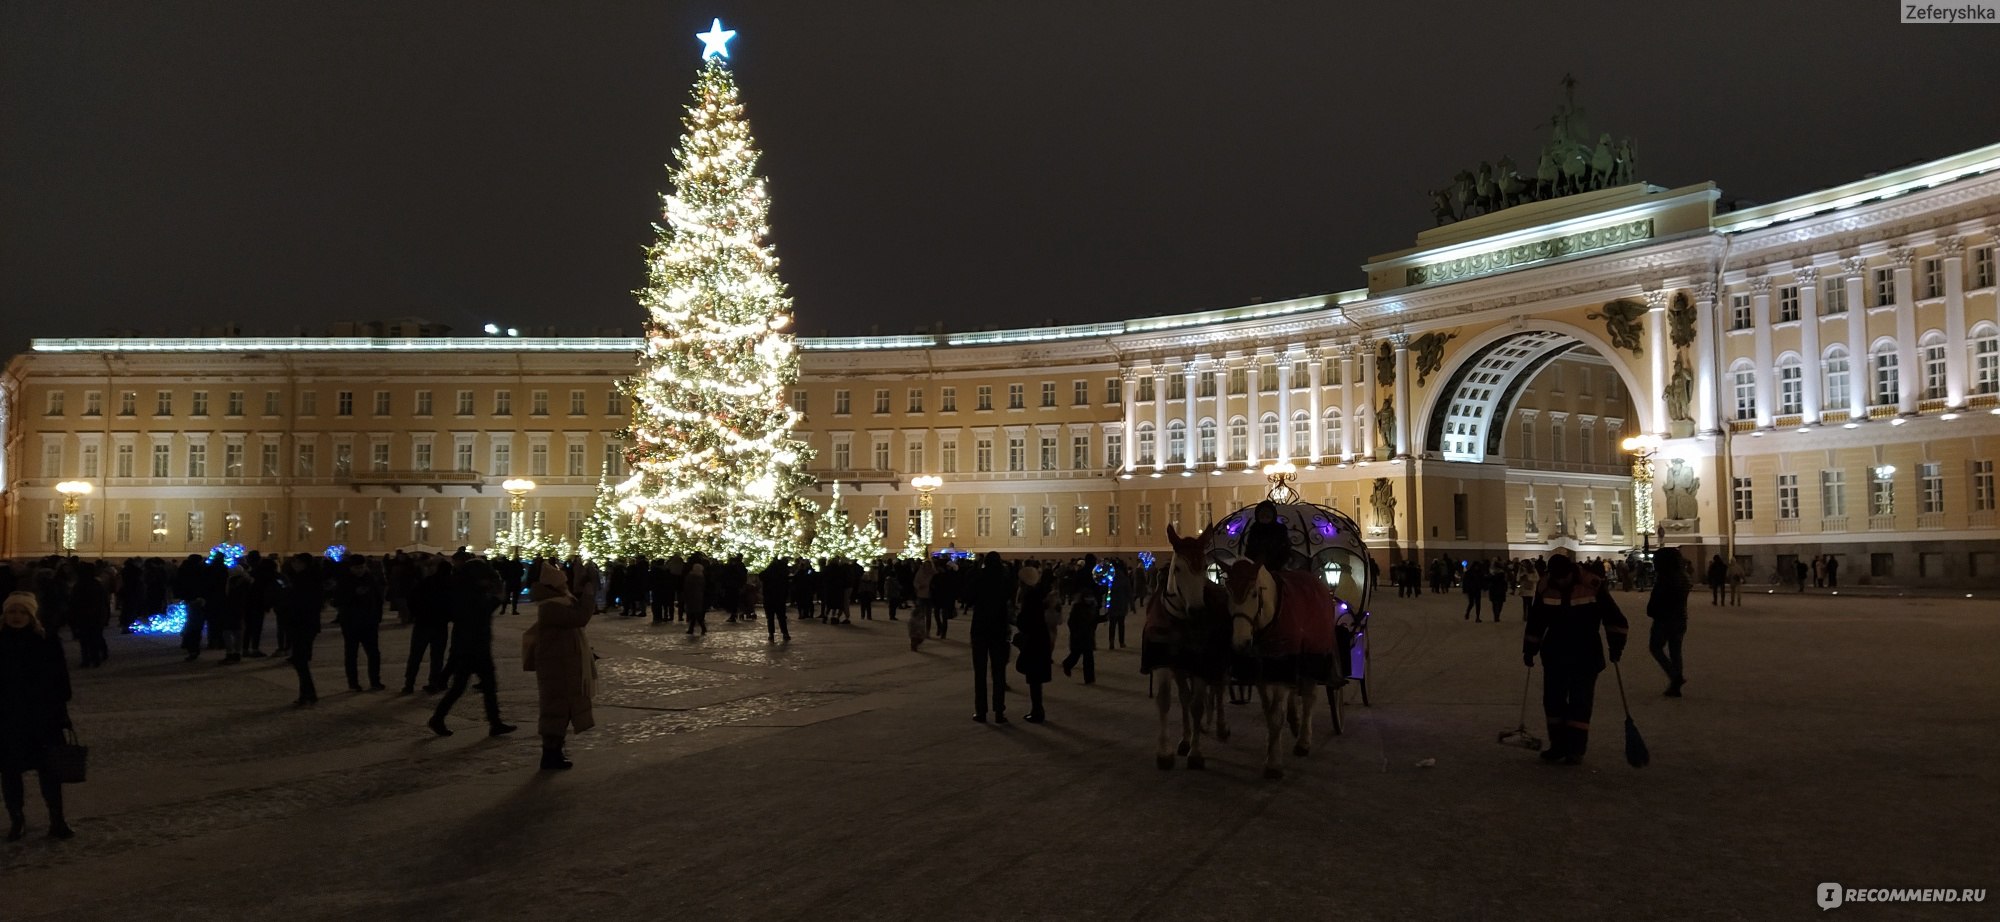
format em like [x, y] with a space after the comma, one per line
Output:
[1253, 607]
[1185, 649]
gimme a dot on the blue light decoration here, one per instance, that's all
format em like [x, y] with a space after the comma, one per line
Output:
[1105, 574]
[229, 551]
[715, 42]
[172, 621]
[1146, 559]
[1326, 529]
[336, 551]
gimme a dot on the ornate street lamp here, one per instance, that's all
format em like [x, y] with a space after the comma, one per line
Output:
[73, 492]
[1281, 474]
[1643, 448]
[925, 484]
[517, 492]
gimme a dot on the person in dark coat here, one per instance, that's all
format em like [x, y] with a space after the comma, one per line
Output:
[665, 583]
[1668, 608]
[1499, 582]
[1034, 639]
[991, 589]
[1571, 605]
[1473, 584]
[263, 595]
[430, 626]
[1120, 607]
[131, 595]
[476, 594]
[34, 711]
[777, 591]
[302, 596]
[1083, 617]
[187, 587]
[89, 615]
[1267, 542]
[1718, 579]
[357, 608]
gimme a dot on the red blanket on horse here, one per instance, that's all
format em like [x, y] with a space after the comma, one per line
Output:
[1195, 642]
[1305, 617]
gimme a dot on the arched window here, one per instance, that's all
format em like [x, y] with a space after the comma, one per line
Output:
[1302, 434]
[1887, 370]
[1146, 455]
[1791, 385]
[1985, 347]
[1239, 438]
[1177, 441]
[1267, 440]
[1744, 374]
[1931, 346]
[1838, 379]
[1207, 439]
[1331, 434]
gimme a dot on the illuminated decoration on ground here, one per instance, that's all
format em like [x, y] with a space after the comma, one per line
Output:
[335, 552]
[715, 42]
[173, 621]
[715, 467]
[229, 551]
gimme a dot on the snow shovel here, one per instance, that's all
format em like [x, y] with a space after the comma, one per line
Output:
[1635, 746]
[1519, 736]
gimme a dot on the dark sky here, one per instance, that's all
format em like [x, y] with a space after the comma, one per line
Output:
[166, 163]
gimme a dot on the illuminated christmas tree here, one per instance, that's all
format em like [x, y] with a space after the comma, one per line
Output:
[607, 530]
[836, 535]
[715, 468]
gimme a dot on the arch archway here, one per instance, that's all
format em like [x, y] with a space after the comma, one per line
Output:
[1465, 416]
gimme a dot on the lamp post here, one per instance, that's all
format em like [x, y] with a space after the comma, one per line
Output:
[925, 484]
[1643, 448]
[73, 492]
[1281, 474]
[517, 502]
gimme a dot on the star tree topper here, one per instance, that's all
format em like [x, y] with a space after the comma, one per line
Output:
[715, 41]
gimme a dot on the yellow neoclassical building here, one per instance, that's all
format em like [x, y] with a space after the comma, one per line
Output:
[1819, 375]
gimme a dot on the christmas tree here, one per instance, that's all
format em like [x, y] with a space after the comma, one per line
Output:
[715, 468]
[607, 530]
[836, 535]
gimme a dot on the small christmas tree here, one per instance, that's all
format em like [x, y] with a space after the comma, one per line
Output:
[715, 468]
[836, 535]
[606, 529]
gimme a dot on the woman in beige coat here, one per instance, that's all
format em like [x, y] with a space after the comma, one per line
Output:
[565, 669]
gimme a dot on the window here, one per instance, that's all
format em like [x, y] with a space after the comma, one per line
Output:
[1267, 380]
[614, 459]
[1176, 387]
[1933, 271]
[1146, 454]
[1014, 516]
[308, 459]
[1330, 434]
[124, 528]
[614, 402]
[948, 454]
[1114, 390]
[464, 403]
[1930, 486]
[1791, 386]
[1147, 387]
[52, 529]
[881, 400]
[1177, 441]
[576, 403]
[538, 459]
[1558, 446]
[420, 456]
[128, 403]
[343, 460]
[1833, 493]
[1745, 377]
[1114, 449]
[1048, 447]
[1301, 375]
[1205, 385]
[271, 403]
[1174, 515]
[343, 403]
[197, 527]
[1739, 314]
[1888, 383]
[948, 522]
[200, 404]
[461, 456]
[947, 400]
[163, 403]
[1527, 436]
[197, 460]
[1048, 393]
[1111, 521]
[878, 453]
[52, 459]
[232, 459]
[1079, 393]
[1788, 303]
[1079, 452]
[503, 403]
[1986, 359]
[159, 527]
[1788, 496]
[913, 456]
[538, 403]
[982, 456]
[843, 455]
[1016, 397]
[1932, 348]
[1301, 435]
[985, 397]
[1982, 267]
[1239, 439]
[916, 404]
[1834, 365]
[1885, 287]
[1206, 441]
[1048, 521]
[381, 403]
[1882, 491]
[983, 522]
[1267, 436]
[122, 461]
[1145, 519]
[1017, 453]
[1982, 486]
[270, 466]
[799, 401]
[90, 462]
[503, 459]
[423, 403]
[574, 460]
[378, 457]
[1239, 381]
[1739, 495]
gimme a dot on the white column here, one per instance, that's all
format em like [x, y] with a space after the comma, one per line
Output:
[1315, 379]
[1403, 414]
[1809, 370]
[1128, 379]
[1953, 251]
[1704, 358]
[1159, 418]
[1760, 322]
[1368, 396]
[1251, 385]
[1657, 347]
[1347, 392]
[1191, 380]
[1909, 380]
[1860, 376]
[1284, 370]
[1220, 369]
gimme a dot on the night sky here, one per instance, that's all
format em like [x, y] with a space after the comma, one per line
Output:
[283, 165]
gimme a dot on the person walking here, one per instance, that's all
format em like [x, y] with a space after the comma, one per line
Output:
[1499, 582]
[564, 666]
[1473, 584]
[1083, 616]
[991, 588]
[1033, 637]
[777, 581]
[430, 626]
[1668, 609]
[357, 608]
[1571, 606]
[34, 711]
[303, 596]
[1718, 579]
[694, 588]
[89, 615]
[476, 595]
[1832, 572]
[1120, 606]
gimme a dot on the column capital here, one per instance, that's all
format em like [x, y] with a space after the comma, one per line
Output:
[1806, 274]
[1759, 284]
[1952, 247]
[1903, 256]
[1853, 265]
[1128, 374]
[1656, 299]
[1315, 354]
[1704, 292]
[1401, 340]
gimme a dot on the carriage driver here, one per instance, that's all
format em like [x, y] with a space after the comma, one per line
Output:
[1268, 543]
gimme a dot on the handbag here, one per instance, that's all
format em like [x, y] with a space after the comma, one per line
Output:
[69, 760]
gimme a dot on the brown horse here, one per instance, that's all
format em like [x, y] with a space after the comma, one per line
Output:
[1185, 645]
[1288, 637]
